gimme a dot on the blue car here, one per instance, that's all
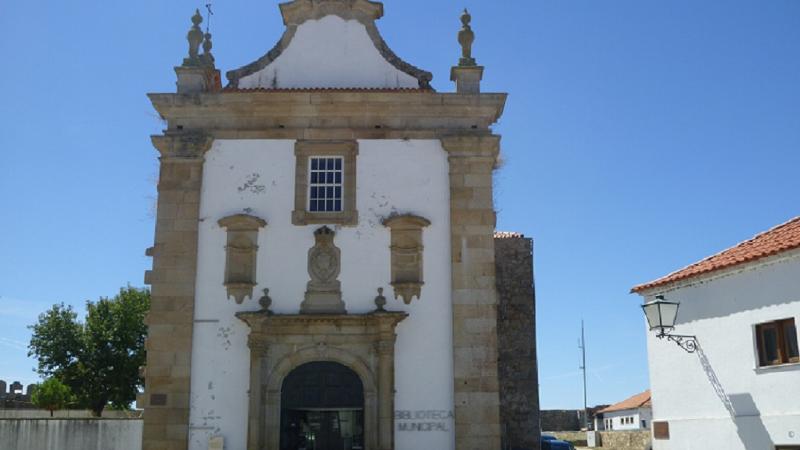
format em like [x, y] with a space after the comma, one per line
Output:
[551, 443]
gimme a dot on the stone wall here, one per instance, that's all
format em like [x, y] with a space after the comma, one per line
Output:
[561, 420]
[517, 368]
[70, 434]
[12, 396]
[626, 440]
[610, 440]
[67, 414]
[577, 438]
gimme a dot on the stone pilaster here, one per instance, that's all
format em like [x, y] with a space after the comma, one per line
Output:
[385, 348]
[172, 280]
[472, 220]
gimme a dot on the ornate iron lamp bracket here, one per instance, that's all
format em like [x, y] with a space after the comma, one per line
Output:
[688, 343]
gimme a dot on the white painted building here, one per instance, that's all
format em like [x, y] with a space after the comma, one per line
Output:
[324, 265]
[633, 413]
[741, 388]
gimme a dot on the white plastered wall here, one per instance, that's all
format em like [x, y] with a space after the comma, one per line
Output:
[637, 415]
[719, 393]
[330, 52]
[257, 177]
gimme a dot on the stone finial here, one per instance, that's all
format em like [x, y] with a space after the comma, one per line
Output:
[466, 37]
[467, 74]
[207, 57]
[265, 301]
[195, 38]
[380, 301]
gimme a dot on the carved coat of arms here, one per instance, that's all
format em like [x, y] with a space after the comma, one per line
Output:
[323, 291]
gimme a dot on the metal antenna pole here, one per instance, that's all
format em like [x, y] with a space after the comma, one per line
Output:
[583, 367]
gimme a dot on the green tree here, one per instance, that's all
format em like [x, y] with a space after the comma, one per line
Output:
[51, 395]
[98, 359]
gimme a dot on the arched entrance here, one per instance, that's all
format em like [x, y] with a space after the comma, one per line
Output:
[322, 408]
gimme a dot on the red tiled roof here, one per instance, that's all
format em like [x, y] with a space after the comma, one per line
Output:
[637, 401]
[776, 240]
[507, 235]
[326, 89]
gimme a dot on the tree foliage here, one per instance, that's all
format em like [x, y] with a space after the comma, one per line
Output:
[98, 359]
[51, 395]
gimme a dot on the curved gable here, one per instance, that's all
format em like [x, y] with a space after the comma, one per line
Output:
[330, 44]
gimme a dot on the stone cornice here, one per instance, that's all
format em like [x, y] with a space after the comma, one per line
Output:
[271, 324]
[285, 110]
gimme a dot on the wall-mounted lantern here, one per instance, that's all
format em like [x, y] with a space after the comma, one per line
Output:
[661, 316]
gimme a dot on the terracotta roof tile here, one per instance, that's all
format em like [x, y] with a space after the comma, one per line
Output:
[779, 239]
[637, 401]
[507, 235]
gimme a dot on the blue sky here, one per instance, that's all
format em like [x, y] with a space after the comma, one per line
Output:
[639, 136]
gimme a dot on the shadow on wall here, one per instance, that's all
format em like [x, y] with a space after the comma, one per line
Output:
[749, 425]
[742, 409]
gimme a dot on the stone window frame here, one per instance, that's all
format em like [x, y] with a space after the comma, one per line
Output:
[304, 150]
[241, 247]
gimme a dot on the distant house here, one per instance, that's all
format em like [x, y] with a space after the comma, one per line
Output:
[740, 388]
[633, 413]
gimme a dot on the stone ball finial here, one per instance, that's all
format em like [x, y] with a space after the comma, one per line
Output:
[197, 18]
[466, 37]
[207, 57]
[466, 18]
[380, 300]
[195, 38]
[265, 301]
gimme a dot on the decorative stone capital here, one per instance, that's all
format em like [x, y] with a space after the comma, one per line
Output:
[474, 146]
[405, 222]
[385, 347]
[190, 145]
[257, 344]
[242, 222]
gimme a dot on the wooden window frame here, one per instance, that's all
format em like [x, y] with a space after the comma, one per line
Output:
[782, 349]
[304, 150]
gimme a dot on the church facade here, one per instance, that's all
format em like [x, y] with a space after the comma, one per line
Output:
[324, 268]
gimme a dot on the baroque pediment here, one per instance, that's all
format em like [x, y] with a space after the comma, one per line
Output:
[330, 44]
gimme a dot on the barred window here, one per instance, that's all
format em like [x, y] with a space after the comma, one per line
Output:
[325, 184]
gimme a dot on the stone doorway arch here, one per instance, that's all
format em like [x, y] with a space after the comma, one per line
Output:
[322, 407]
[281, 343]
